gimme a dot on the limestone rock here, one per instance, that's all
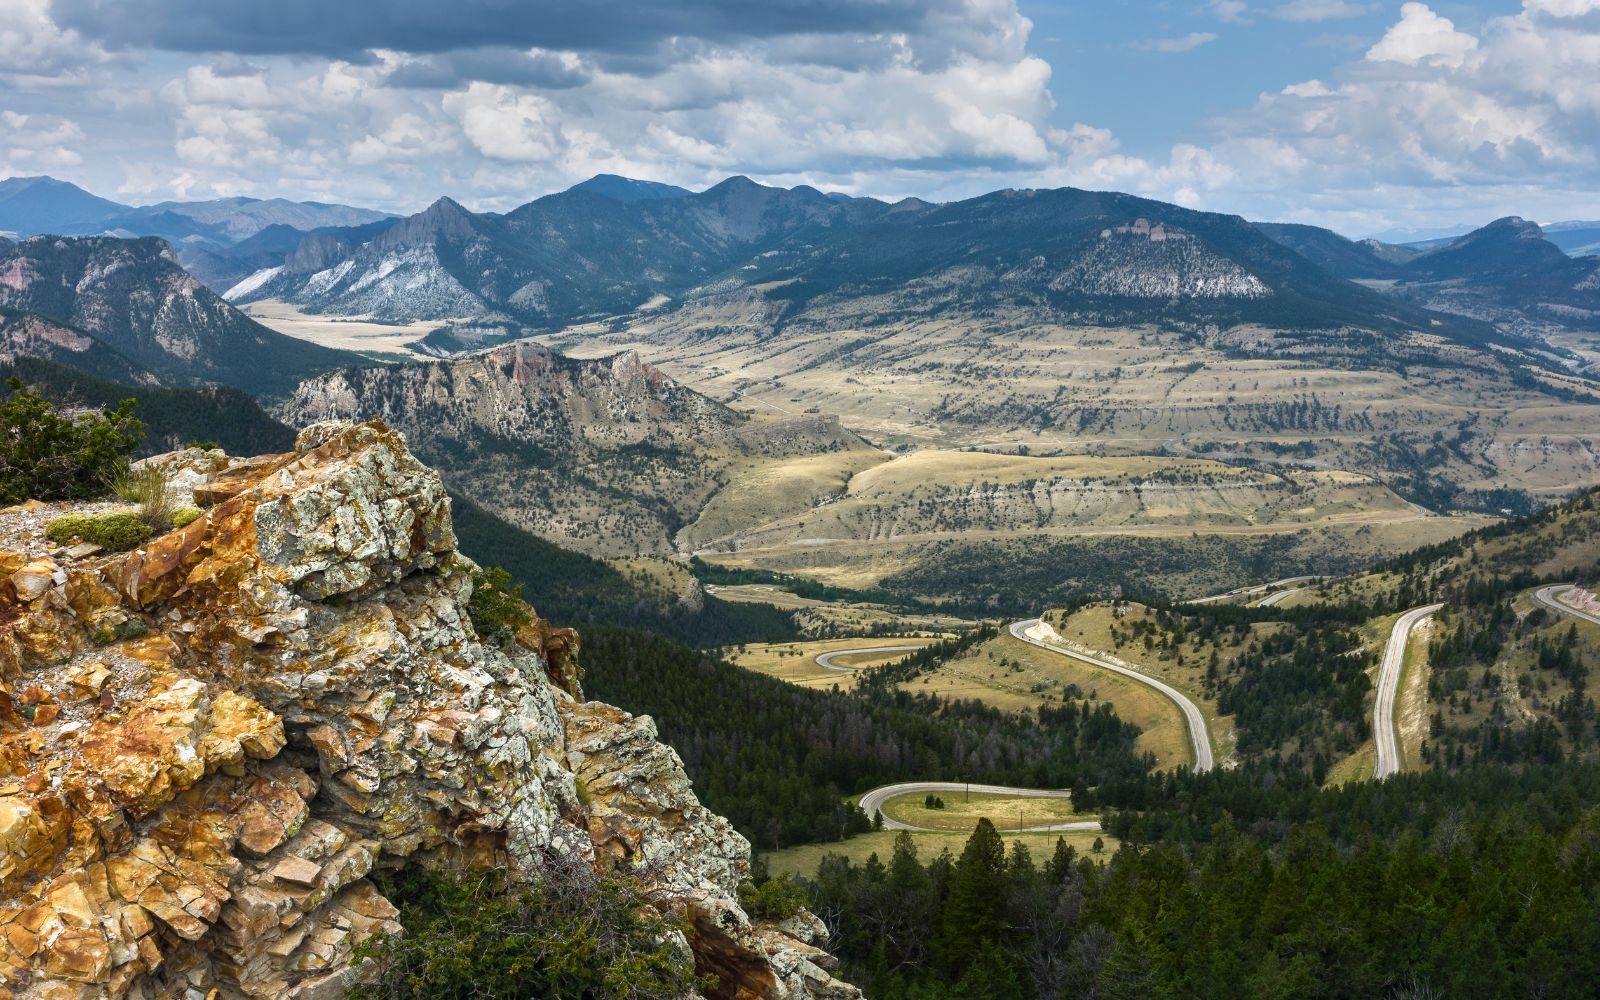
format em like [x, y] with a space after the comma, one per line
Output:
[297, 695]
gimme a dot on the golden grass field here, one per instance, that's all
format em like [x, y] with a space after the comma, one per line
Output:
[388, 341]
[866, 563]
[1356, 767]
[937, 494]
[1036, 676]
[961, 812]
[827, 619]
[804, 859]
[931, 382]
[796, 663]
[1411, 701]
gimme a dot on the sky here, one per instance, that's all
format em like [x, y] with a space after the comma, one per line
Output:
[1362, 116]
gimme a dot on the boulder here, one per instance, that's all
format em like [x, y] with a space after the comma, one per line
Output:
[191, 807]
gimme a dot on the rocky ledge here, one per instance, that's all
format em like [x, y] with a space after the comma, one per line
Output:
[208, 743]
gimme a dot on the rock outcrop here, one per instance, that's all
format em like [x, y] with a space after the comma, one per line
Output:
[208, 743]
[608, 456]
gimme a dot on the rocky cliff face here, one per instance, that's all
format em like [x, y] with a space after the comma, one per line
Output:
[608, 456]
[208, 743]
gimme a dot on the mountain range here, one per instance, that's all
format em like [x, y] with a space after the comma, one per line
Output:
[133, 301]
[1061, 320]
[560, 258]
[1577, 239]
[30, 206]
[613, 246]
[1510, 272]
[219, 240]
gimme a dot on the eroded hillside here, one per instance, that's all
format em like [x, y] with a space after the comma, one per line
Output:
[610, 456]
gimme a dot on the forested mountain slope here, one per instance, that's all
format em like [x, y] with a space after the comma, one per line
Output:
[133, 296]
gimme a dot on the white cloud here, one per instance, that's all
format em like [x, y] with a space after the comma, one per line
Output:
[1435, 121]
[32, 46]
[1187, 43]
[407, 136]
[1422, 37]
[1231, 11]
[1563, 8]
[1319, 10]
[503, 124]
[31, 142]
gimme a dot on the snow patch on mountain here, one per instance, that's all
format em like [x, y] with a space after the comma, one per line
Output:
[327, 278]
[252, 283]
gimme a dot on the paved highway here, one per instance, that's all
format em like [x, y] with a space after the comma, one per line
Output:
[1258, 588]
[1394, 656]
[872, 803]
[825, 660]
[1199, 738]
[1548, 597]
[1272, 599]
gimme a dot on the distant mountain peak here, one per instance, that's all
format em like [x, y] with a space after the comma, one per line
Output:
[42, 204]
[625, 189]
[445, 205]
[738, 182]
[445, 215]
[1516, 224]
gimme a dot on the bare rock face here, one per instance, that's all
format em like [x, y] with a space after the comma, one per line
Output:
[208, 743]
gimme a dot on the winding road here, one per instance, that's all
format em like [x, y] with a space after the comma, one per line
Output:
[1258, 588]
[1199, 737]
[1271, 600]
[1547, 596]
[1394, 658]
[872, 803]
[825, 660]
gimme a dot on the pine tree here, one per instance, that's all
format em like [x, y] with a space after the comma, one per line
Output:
[1061, 862]
[975, 911]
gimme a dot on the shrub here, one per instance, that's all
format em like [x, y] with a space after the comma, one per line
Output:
[775, 899]
[105, 635]
[117, 531]
[185, 516]
[496, 607]
[49, 456]
[147, 487]
[576, 933]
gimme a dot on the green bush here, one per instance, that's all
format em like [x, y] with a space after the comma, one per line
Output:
[185, 516]
[775, 899]
[117, 531]
[105, 635]
[496, 607]
[575, 934]
[48, 456]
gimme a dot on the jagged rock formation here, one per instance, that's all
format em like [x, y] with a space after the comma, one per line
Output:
[608, 456]
[206, 745]
[1142, 261]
